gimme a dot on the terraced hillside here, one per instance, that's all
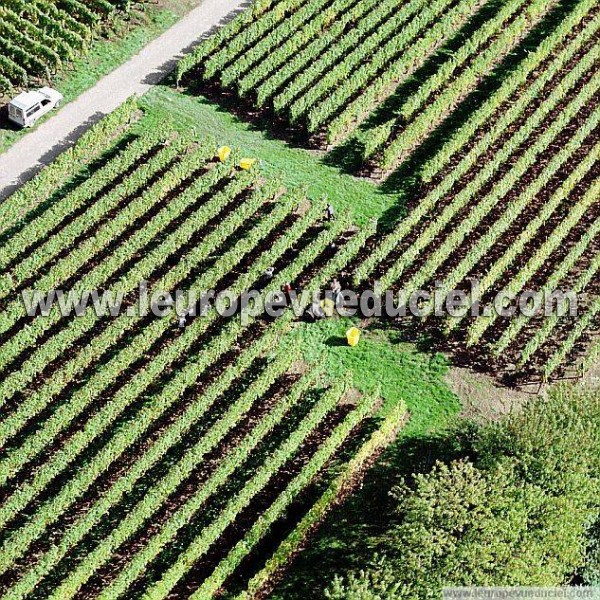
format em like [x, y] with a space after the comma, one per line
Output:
[483, 119]
[139, 457]
[38, 36]
[384, 73]
[511, 200]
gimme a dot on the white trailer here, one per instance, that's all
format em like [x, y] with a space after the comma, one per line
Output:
[28, 107]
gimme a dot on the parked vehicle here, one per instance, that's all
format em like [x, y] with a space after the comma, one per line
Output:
[28, 107]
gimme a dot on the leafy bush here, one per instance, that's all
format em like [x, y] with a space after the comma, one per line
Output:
[378, 582]
[591, 570]
[515, 512]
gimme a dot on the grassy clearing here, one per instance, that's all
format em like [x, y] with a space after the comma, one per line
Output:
[358, 197]
[381, 360]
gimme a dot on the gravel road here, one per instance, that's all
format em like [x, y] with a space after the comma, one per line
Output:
[136, 76]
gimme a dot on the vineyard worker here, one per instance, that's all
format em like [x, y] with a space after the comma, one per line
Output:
[268, 274]
[318, 310]
[336, 290]
[315, 312]
[329, 212]
[286, 288]
[182, 321]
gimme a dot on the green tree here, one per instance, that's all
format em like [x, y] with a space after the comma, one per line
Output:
[377, 582]
[515, 512]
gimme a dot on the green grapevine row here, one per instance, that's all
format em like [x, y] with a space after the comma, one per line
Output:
[197, 410]
[346, 480]
[461, 199]
[550, 323]
[435, 112]
[317, 59]
[273, 463]
[533, 264]
[93, 184]
[41, 35]
[525, 72]
[283, 62]
[482, 324]
[55, 346]
[124, 396]
[583, 322]
[300, 61]
[85, 252]
[276, 510]
[513, 211]
[39, 400]
[182, 469]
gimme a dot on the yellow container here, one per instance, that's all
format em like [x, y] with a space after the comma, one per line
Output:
[224, 152]
[246, 163]
[353, 336]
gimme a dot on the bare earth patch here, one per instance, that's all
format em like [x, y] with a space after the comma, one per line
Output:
[483, 399]
[592, 376]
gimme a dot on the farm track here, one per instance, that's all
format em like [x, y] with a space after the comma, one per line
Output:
[42, 146]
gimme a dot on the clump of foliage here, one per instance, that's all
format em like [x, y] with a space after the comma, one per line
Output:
[590, 572]
[517, 510]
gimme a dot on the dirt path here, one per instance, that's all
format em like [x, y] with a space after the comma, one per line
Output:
[136, 76]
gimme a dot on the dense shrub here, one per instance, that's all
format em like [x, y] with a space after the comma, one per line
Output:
[517, 511]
